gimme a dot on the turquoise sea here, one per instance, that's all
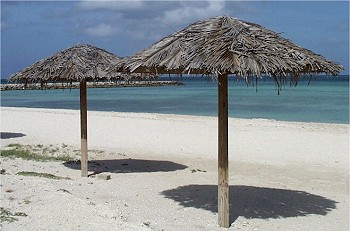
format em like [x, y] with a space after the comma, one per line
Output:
[324, 100]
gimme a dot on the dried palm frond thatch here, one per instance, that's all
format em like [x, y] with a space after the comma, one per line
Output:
[80, 62]
[227, 45]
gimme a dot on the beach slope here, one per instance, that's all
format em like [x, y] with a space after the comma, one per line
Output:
[163, 169]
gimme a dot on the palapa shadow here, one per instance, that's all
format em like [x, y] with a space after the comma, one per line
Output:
[253, 202]
[9, 135]
[128, 165]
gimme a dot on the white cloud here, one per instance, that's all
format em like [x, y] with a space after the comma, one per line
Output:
[144, 19]
[190, 13]
[101, 30]
[171, 16]
[111, 5]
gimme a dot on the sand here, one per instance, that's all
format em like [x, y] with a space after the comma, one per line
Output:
[163, 169]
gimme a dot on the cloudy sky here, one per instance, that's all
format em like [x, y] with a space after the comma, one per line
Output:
[31, 31]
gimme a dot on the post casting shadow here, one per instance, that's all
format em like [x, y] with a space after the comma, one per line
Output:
[9, 135]
[128, 165]
[253, 202]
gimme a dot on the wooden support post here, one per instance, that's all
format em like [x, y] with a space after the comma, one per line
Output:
[223, 184]
[83, 129]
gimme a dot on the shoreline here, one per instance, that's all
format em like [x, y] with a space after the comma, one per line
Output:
[172, 114]
[283, 175]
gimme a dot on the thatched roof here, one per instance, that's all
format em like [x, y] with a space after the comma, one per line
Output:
[227, 45]
[73, 64]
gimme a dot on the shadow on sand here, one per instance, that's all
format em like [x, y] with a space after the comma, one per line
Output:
[128, 165]
[9, 135]
[253, 202]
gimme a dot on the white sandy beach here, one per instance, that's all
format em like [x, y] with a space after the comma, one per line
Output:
[283, 175]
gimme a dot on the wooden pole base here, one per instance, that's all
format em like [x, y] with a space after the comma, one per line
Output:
[84, 158]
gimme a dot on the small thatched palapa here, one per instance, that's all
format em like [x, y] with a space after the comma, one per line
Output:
[80, 63]
[221, 46]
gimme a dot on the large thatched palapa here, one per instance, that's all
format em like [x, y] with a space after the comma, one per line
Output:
[227, 45]
[80, 63]
[221, 46]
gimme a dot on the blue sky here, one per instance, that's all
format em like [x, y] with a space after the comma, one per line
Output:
[31, 31]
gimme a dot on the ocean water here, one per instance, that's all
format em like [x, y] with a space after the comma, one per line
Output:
[324, 100]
